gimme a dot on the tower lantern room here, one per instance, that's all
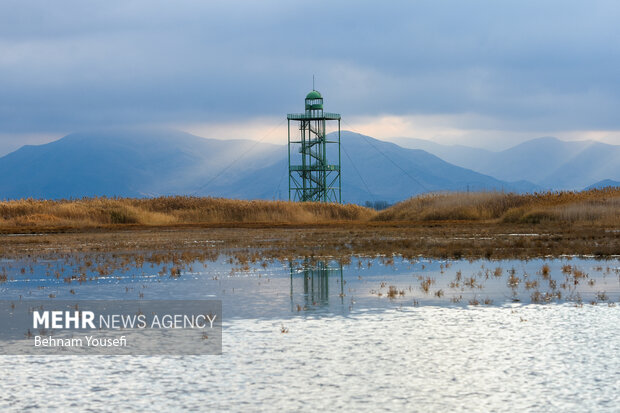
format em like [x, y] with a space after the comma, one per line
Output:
[311, 176]
[314, 102]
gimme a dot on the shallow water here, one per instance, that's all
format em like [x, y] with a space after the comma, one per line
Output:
[282, 289]
[348, 344]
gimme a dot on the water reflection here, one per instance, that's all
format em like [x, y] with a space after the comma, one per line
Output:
[251, 287]
[315, 277]
[449, 322]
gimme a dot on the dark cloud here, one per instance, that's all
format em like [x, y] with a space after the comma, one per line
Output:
[69, 65]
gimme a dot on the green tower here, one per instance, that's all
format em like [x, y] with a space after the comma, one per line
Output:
[311, 177]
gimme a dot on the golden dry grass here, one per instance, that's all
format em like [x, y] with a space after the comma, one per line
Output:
[600, 206]
[93, 212]
[597, 205]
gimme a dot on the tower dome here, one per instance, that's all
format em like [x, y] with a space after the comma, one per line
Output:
[314, 95]
[314, 101]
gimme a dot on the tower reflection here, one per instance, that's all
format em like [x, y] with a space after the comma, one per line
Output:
[314, 277]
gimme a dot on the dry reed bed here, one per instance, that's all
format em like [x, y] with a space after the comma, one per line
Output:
[93, 212]
[597, 205]
[601, 206]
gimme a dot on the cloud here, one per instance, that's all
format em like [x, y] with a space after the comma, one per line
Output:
[516, 67]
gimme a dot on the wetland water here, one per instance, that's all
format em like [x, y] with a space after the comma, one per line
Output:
[368, 334]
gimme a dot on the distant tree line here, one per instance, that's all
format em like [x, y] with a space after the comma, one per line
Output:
[377, 205]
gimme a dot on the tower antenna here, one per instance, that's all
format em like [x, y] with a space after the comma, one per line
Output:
[313, 83]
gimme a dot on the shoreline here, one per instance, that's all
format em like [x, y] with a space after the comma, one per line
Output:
[438, 239]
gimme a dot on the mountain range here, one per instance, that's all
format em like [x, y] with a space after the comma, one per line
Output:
[547, 162]
[139, 163]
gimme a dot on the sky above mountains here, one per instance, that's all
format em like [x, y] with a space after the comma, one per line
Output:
[479, 73]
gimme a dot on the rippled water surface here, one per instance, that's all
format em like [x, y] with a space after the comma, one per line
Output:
[372, 334]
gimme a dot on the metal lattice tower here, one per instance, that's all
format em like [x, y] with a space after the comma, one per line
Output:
[310, 176]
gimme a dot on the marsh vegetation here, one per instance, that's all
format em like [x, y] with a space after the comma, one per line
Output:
[599, 206]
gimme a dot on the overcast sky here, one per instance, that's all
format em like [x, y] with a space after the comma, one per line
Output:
[484, 73]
